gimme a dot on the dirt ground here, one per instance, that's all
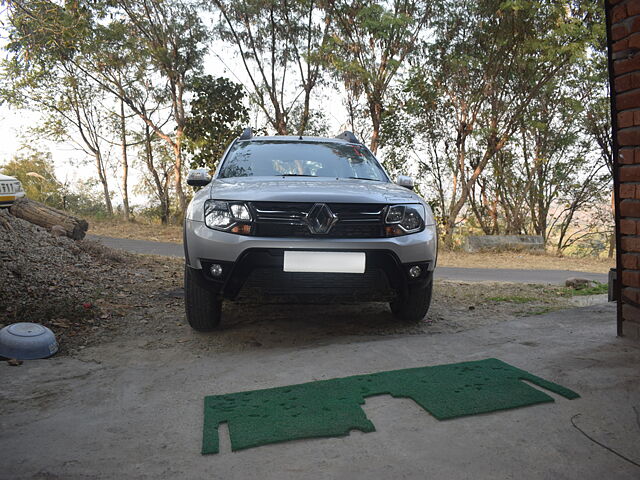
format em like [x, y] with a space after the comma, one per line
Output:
[141, 230]
[143, 299]
[518, 260]
[137, 229]
[88, 294]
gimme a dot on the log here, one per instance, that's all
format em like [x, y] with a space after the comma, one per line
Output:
[47, 217]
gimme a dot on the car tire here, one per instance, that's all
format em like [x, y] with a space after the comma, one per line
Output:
[202, 306]
[414, 307]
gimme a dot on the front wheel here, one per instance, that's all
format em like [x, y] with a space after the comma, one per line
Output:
[202, 306]
[414, 307]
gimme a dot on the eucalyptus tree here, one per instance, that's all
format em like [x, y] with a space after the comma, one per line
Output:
[170, 38]
[278, 42]
[488, 61]
[370, 42]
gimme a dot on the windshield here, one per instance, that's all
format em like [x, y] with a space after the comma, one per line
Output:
[308, 159]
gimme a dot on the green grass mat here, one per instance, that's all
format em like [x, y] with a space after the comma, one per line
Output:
[331, 408]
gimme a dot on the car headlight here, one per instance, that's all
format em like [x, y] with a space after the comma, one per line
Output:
[404, 219]
[233, 217]
[17, 187]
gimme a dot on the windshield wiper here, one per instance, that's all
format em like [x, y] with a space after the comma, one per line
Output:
[362, 178]
[295, 175]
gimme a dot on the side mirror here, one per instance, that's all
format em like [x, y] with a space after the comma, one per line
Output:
[405, 181]
[198, 177]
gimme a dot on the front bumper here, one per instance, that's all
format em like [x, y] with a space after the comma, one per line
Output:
[261, 271]
[8, 199]
[202, 242]
[258, 262]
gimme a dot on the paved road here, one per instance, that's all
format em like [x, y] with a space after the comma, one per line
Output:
[449, 273]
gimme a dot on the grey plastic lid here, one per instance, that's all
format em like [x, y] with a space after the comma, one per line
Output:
[27, 341]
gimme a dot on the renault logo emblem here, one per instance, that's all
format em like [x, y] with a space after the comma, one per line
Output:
[320, 219]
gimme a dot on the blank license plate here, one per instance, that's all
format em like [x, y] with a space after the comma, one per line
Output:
[324, 262]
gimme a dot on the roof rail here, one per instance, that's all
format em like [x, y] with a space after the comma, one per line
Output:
[247, 134]
[348, 137]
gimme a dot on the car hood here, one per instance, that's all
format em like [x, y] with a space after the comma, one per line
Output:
[309, 189]
[6, 177]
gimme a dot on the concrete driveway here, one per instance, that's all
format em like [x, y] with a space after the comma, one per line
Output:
[556, 277]
[133, 408]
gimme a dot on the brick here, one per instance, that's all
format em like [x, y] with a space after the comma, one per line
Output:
[630, 173]
[631, 293]
[630, 244]
[631, 315]
[620, 45]
[630, 261]
[619, 31]
[625, 119]
[630, 64]
[633, 8]
[628, 190]
[619, 13]
[628, 227]
[629, 136]
[626, 156]
[630, 208]
[633, 41]
[628, 100]
[627, 82]
[631, 278]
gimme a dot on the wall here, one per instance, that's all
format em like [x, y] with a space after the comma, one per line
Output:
[623, 24]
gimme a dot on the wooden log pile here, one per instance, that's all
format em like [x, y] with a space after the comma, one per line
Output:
[53, 220]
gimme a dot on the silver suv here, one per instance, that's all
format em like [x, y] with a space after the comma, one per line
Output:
[305, 217]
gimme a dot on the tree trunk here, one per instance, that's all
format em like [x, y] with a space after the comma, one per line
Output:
[375, 108]
[177, 174]
[161, 190]
[48, 217]
[125, 164]
[612, 245]
[103, 180]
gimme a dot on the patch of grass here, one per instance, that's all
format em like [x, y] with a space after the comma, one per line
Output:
[512, 299]
[597, 289]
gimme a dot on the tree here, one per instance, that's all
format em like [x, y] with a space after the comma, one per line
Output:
[273, 39]
[370, 41]
[118, 46]
[489, 60]
[216, 116]
[41, 73]
[169, 36]
[157, 181]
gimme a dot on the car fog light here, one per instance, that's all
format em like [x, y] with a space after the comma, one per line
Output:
[216, 270]
[415, 271]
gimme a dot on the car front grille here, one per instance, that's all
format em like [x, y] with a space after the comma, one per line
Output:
[284, 219]
[373, 284]
[6, 187]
